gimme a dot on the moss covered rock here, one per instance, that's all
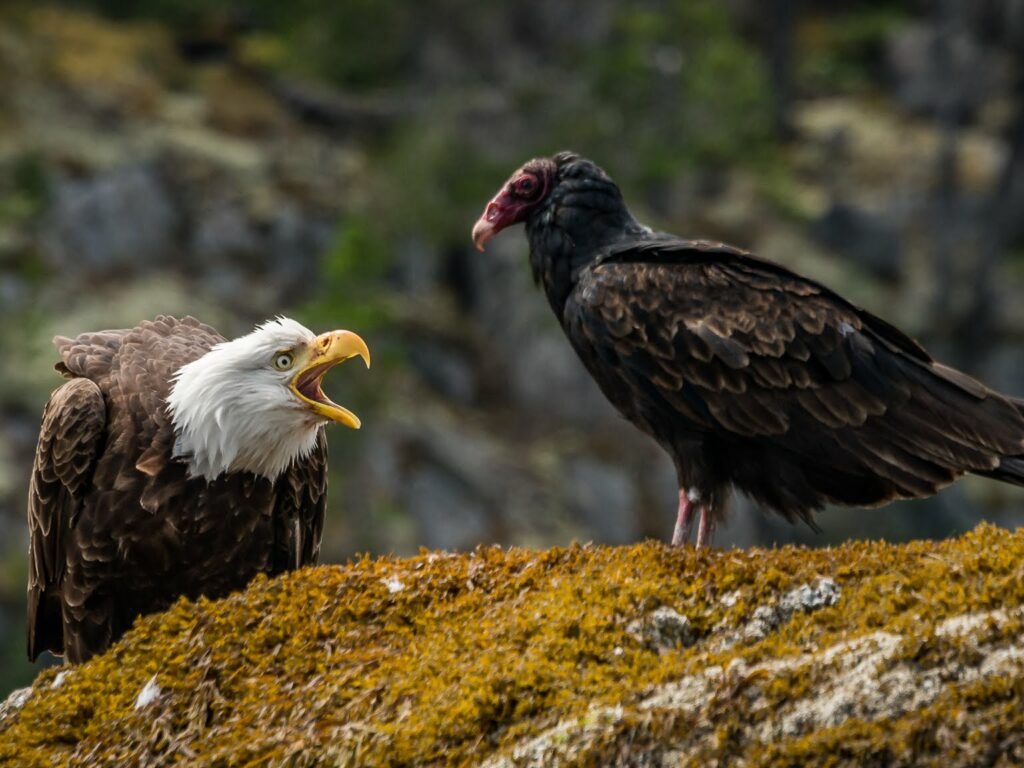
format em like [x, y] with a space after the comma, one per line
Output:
[868, 653]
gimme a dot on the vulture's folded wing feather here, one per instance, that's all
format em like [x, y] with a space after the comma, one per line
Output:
[740, 347]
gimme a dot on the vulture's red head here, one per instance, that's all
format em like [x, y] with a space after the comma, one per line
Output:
[523, 193]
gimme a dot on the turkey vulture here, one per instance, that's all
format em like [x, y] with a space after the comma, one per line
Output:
[747, 374]
[175, 462]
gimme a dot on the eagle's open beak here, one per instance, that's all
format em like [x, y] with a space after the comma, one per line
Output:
[329, 349]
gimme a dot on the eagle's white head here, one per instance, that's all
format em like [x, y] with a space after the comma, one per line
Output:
[255, 404]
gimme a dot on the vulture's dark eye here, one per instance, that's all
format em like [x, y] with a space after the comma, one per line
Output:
[526, 186]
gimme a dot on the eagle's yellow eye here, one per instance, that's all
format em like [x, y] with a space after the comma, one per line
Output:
[283, 361]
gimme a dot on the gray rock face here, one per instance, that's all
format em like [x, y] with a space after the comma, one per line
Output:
[120, 219]
[823, 593]
[452, 490]
[969, 76]
[663, 628]
[541, 372]
[604, 496]
[446, 368]
[14, 702]
[224, 231]
[867, 238]
[449, 514]
[865, 679]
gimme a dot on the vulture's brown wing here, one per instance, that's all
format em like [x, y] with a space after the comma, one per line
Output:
[69, 442]
[843, 406]
[301, 499]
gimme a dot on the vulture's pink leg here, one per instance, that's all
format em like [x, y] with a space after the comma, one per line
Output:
[684, 520]
[706, 528]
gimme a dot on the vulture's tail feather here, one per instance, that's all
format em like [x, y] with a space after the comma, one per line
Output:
[1010, 470]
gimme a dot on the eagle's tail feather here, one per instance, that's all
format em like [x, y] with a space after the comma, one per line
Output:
[45, 626]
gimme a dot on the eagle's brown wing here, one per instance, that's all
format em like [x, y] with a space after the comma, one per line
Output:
[301, 500]
[69, 442]
[116, 514]
[809, 398]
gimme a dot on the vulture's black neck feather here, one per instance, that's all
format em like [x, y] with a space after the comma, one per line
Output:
[583, 215]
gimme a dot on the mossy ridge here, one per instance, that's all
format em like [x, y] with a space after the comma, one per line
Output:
[447, 658]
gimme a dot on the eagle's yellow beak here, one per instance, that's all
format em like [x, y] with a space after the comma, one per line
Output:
[329, 349]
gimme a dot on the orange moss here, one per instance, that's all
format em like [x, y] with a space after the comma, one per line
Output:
[447, 659]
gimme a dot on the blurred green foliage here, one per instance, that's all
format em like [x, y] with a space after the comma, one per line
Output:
[686, 87]
[356, 42]
[357, 257]
[842, 50]
[675, 74]
[24, 190]
[23, 195]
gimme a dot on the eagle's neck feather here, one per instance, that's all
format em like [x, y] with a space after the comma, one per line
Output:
[229, 418]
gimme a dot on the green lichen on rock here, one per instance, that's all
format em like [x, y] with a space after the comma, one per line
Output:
[867, 653]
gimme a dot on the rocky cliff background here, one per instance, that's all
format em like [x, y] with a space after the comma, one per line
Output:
[326, 160]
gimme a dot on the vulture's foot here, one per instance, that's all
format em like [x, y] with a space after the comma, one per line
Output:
[688, 504]
[706, 528]
[684, 520]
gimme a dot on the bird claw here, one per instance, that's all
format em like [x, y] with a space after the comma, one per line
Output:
[706, 528]
[684, 522]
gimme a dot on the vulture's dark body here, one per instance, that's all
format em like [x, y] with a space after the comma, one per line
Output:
[118, 529]
[752, 376]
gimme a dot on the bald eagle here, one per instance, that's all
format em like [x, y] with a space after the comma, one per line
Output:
[175, 462]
